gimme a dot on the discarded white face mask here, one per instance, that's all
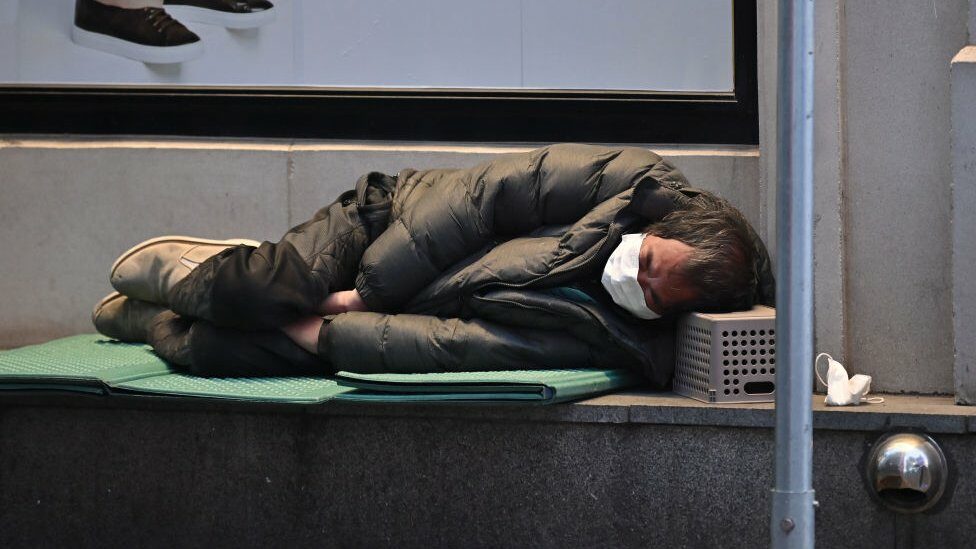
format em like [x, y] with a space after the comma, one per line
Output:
[842, 391]
[620, 278]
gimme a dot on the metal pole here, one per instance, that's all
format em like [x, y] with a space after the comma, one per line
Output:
[792, 518]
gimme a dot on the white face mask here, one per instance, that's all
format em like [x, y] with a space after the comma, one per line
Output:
[620, 278]
[840, 390]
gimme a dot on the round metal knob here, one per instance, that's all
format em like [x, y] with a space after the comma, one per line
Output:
[907, 472]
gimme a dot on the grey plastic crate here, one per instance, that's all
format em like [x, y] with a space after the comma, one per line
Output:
[729, 357]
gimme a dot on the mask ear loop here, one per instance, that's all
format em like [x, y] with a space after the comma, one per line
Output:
[816, 370]
[816, 361]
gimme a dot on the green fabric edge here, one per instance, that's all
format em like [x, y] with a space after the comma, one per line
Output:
[321, 389]
[147, 366]
[497, 386]
[444, 388]
[511, 377]
[97, 389]
[595, 383]
[369, 396]
[151, 377]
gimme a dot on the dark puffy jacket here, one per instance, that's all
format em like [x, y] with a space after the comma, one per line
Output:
[459, 278]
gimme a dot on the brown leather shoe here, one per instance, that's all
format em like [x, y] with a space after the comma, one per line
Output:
[125, 319]
[148, 270]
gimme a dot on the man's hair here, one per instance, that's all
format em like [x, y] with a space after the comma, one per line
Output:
[722, 265]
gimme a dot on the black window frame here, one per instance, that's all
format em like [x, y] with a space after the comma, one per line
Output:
[402, 114]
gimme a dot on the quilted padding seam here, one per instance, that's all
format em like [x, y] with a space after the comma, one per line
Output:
[483, 229]
[601, 171]
[331, 245]
[537, 195]
[416, 246]
[384, 339]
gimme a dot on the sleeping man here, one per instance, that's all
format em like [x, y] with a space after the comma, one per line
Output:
[565, 256]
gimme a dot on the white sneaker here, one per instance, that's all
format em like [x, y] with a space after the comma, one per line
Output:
[233, 14]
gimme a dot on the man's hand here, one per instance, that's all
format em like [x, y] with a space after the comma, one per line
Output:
[306, 332]
[342, 302]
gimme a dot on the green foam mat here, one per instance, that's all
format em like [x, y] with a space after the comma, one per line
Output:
[94, 364]
[77, 363]
[545, 386]
[299, 390]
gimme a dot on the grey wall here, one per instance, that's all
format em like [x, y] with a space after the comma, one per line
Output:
[70, 207]
[897, 193]
[964, 215]
[882, 183]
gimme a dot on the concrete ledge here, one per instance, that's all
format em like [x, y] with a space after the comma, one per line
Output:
[934, 414]
[631, 470]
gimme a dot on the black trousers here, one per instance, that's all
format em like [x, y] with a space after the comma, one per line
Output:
[239, 299]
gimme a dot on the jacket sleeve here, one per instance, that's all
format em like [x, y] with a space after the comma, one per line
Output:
[381, 343]
[449, 214]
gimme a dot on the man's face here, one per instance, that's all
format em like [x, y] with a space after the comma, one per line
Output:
[659, 274]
